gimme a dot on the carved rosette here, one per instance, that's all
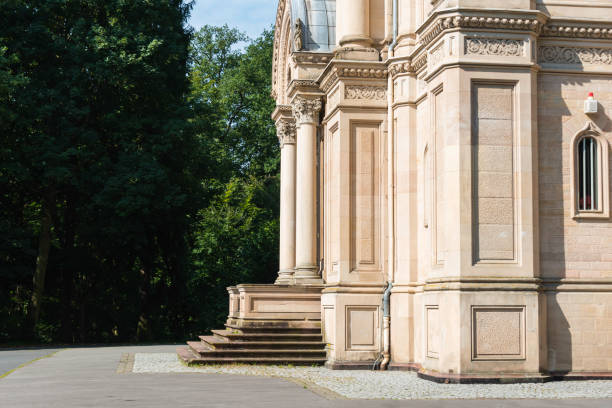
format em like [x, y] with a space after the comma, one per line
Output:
[285, 130]
[306, 110]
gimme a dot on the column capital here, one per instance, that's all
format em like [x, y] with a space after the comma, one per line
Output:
[306, 110]
[285, 131]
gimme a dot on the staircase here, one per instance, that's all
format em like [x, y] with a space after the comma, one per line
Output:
[257, 345]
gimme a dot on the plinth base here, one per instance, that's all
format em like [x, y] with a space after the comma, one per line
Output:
[268, 324]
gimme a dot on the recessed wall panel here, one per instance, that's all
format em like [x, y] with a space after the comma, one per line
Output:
[439, 200]
[361, 326]
[365, 201]
[493, 172]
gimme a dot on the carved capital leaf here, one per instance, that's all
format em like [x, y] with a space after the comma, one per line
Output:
[306, 110]
[285, 130]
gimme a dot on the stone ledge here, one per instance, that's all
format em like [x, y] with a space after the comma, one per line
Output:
[509, 378]
[350, 365]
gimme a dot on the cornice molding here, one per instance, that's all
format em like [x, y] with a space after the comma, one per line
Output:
[311, 58]
[282, 111]
[420, 62]
[479, 19]
[397, 68]
[577, 29]
[361, 70]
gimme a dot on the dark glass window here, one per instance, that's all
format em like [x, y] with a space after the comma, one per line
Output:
[587, 174]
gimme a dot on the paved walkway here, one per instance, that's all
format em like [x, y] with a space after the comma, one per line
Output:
[87, 377]
[10, 359]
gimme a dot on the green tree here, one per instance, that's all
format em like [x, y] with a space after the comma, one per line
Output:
[236, 234]
[100, 148]
[138, 170]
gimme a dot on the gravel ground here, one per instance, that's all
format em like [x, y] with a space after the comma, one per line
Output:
[382, 384]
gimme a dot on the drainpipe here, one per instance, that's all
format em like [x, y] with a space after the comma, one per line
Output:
[390, 197]
[395, 24]
[391, 152]
[386, 326]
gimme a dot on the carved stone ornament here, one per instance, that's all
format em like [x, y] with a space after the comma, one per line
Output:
[400, 68]
[341, 72]
[310, 58]
[462, 21]
[376, 93]
[577, 31]
[285, 130]
[306, 110]
[575, 55]
[419, 62]
[494, 46]
[298, 35]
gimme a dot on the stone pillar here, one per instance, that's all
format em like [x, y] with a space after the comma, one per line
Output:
[286, 136]
[306, 112]
[353, 30]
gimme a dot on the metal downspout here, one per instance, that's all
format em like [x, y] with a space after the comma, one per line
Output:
[390, 197]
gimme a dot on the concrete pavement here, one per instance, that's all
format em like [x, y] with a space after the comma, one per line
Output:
[13, 358]
[87, 377]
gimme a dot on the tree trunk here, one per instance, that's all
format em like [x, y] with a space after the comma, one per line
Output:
[143, 330]
[68, 271]
[42, 260]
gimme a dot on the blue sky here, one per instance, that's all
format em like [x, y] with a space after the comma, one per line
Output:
[250, 16]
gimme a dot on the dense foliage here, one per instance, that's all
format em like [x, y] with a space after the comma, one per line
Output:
[138, 170]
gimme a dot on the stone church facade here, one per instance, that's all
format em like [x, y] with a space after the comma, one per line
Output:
[445, 186]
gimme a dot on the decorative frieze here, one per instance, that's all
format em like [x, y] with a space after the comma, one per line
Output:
[286, 131]
[376, 93]
[306, 110]
[494, 46]
[575, 55]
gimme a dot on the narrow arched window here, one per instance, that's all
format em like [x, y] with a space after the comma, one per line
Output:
[590, 174]
[588, 170]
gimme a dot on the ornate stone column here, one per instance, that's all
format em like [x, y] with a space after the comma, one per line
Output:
[353, 31]
[306, 112]
[285, 129]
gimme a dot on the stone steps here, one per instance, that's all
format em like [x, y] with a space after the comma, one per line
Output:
[269, 336]
[204, 350]
[217, 344]
[191, 358]
[257, 345]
